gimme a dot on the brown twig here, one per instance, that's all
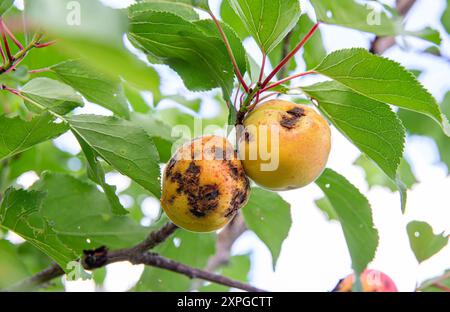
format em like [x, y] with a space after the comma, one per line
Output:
[380, 44]
[138, 254]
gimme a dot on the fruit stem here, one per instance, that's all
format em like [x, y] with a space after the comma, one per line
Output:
[263, 65]
[229, 51]
[11, 35]
[10, 65]
[290, 55]
[275, 84]
[40, 70]
[5, 42]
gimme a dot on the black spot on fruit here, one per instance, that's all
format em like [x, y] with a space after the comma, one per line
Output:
[290, 120]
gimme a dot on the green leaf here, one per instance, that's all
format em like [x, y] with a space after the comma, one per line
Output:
[369, 18]
[445, 19]
[354, 213]
[17, 135]
[123, 145]
[5, 5]
[267, 21]
[383, 80]
[136, 100]
[375, 177]
[42, 157]
[237, 268]
[95, 86]
[424, 243]
[20, 212]
[89, 30]
[267, 210]
[369, 124]
[179, 8]
[186, 247]
[159, 131]
[97, 174]
[325, 206]
[313, 52]
[210, 29]
[12, 269]
[62, 216]
[231, 18]
[182, 45]
[48, 94]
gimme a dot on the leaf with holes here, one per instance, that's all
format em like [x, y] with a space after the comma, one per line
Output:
[355, 216]
[424, 243]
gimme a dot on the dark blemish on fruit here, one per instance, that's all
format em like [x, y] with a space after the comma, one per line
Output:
[290, 120]
[204, 201]
[170, 166]
[238, 199]
[247, 136]
[234, 170]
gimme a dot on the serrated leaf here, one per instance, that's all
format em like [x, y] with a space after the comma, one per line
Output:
[383, 80]
[267, 210]
[355, 215]
[267, 21]
[125, 146]
[62, 216]
[96, 173]
[20, 212]
[369, 124]
[95, 86]
[200, 60]
[186, 247]
[210, 29]
[50, 95]
[179, 8]
[18, 135]
[424, 243]
[5, 5]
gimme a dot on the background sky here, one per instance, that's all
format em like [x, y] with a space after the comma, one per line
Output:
[315, 256]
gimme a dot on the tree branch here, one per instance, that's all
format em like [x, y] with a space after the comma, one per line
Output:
[380, 44]
[138, 254]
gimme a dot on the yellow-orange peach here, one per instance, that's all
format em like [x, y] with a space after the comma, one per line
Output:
[284, 145]
[204, 185]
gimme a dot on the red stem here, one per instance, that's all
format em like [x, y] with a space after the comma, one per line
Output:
[3, 54]
[273, 85]
[44, 45]
[13, 91]
[5, 41]
[230, 52]
[11, 35]
[14, 66]
[290, 55]
[235, 98]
